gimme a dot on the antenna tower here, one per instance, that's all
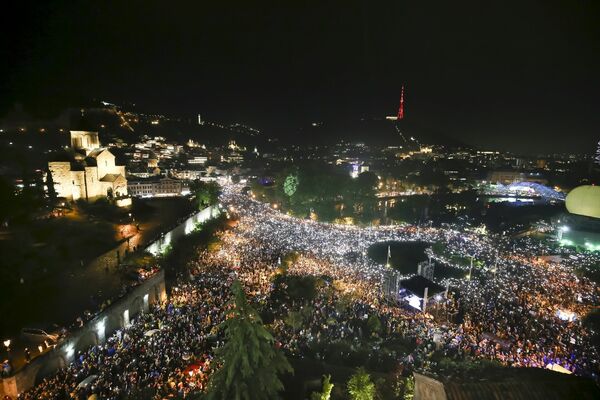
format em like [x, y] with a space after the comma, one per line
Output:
[401, 109]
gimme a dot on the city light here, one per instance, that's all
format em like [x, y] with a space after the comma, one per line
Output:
[399, 230]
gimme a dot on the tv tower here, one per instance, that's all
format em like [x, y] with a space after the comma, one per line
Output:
[401, 109]
[400, 114]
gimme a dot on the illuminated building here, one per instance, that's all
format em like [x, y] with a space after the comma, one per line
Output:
[91, 173]
[166, 187]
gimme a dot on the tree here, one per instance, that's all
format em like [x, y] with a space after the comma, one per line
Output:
[9, 201]
[207, 193]
[290, 185]
[360, 386]
[374, 325]
[366, 184]
[249, 362]
[51, 190]
[325, 392]
[295, 320]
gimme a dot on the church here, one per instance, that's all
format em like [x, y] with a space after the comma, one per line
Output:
[90, 173]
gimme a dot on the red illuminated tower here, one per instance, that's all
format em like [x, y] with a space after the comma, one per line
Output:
[401, 109]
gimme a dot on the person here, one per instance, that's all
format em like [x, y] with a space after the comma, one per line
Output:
[6, 368]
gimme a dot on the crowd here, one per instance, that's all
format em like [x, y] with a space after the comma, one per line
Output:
[511, 310]
[520, 308]
[164, 353]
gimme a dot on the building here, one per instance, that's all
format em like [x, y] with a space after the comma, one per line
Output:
[88, 172]
[510, 176]
[505, 383]
[198, 160]
[188, 174]
[165, 187]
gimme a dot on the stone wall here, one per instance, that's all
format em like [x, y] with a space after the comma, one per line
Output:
[118, 315]
[95, 331]
[159, 246]
[61, 178]
[427, 388]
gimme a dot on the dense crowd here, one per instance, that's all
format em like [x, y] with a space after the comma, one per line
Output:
[516, 309]
[165, 352]
[520, 308]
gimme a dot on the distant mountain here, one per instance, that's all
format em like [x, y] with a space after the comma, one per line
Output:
[371, 131]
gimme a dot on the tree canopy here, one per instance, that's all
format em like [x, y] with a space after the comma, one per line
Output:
[207, 193]
[360, 386]
[249, 362]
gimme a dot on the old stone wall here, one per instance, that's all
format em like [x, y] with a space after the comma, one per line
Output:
[186, 227]
[427, 388]
[61, 177]
[118, 315]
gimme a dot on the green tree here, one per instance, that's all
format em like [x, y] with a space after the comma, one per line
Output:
[325, 392]
[409, 389]
[360, 386]
[374, 325]
[295, 320]
[207, 193]
[249, 362]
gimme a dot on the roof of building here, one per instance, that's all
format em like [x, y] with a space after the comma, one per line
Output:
[520, 384]
[584, 200]
[154, 179]
[96, 152]
[110, 177]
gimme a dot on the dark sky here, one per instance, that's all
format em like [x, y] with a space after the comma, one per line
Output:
[522, 75]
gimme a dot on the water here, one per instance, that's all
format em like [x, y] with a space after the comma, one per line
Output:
[405, 257]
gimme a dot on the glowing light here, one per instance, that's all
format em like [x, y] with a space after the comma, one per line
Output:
[401, 109]
[414, 301]
[100, 328]
[69, 350]
[566, 315]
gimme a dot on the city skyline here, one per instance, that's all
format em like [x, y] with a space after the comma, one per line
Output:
[517, 78]
[341, 200]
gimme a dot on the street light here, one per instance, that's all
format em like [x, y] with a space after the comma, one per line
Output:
[7, 344]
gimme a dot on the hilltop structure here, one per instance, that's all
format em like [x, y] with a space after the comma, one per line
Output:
[90, 172]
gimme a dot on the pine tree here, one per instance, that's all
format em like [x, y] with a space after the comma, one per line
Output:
[360, 386]
[325, 392]
[249, 362]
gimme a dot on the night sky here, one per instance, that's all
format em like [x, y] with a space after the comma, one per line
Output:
[519, 75]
